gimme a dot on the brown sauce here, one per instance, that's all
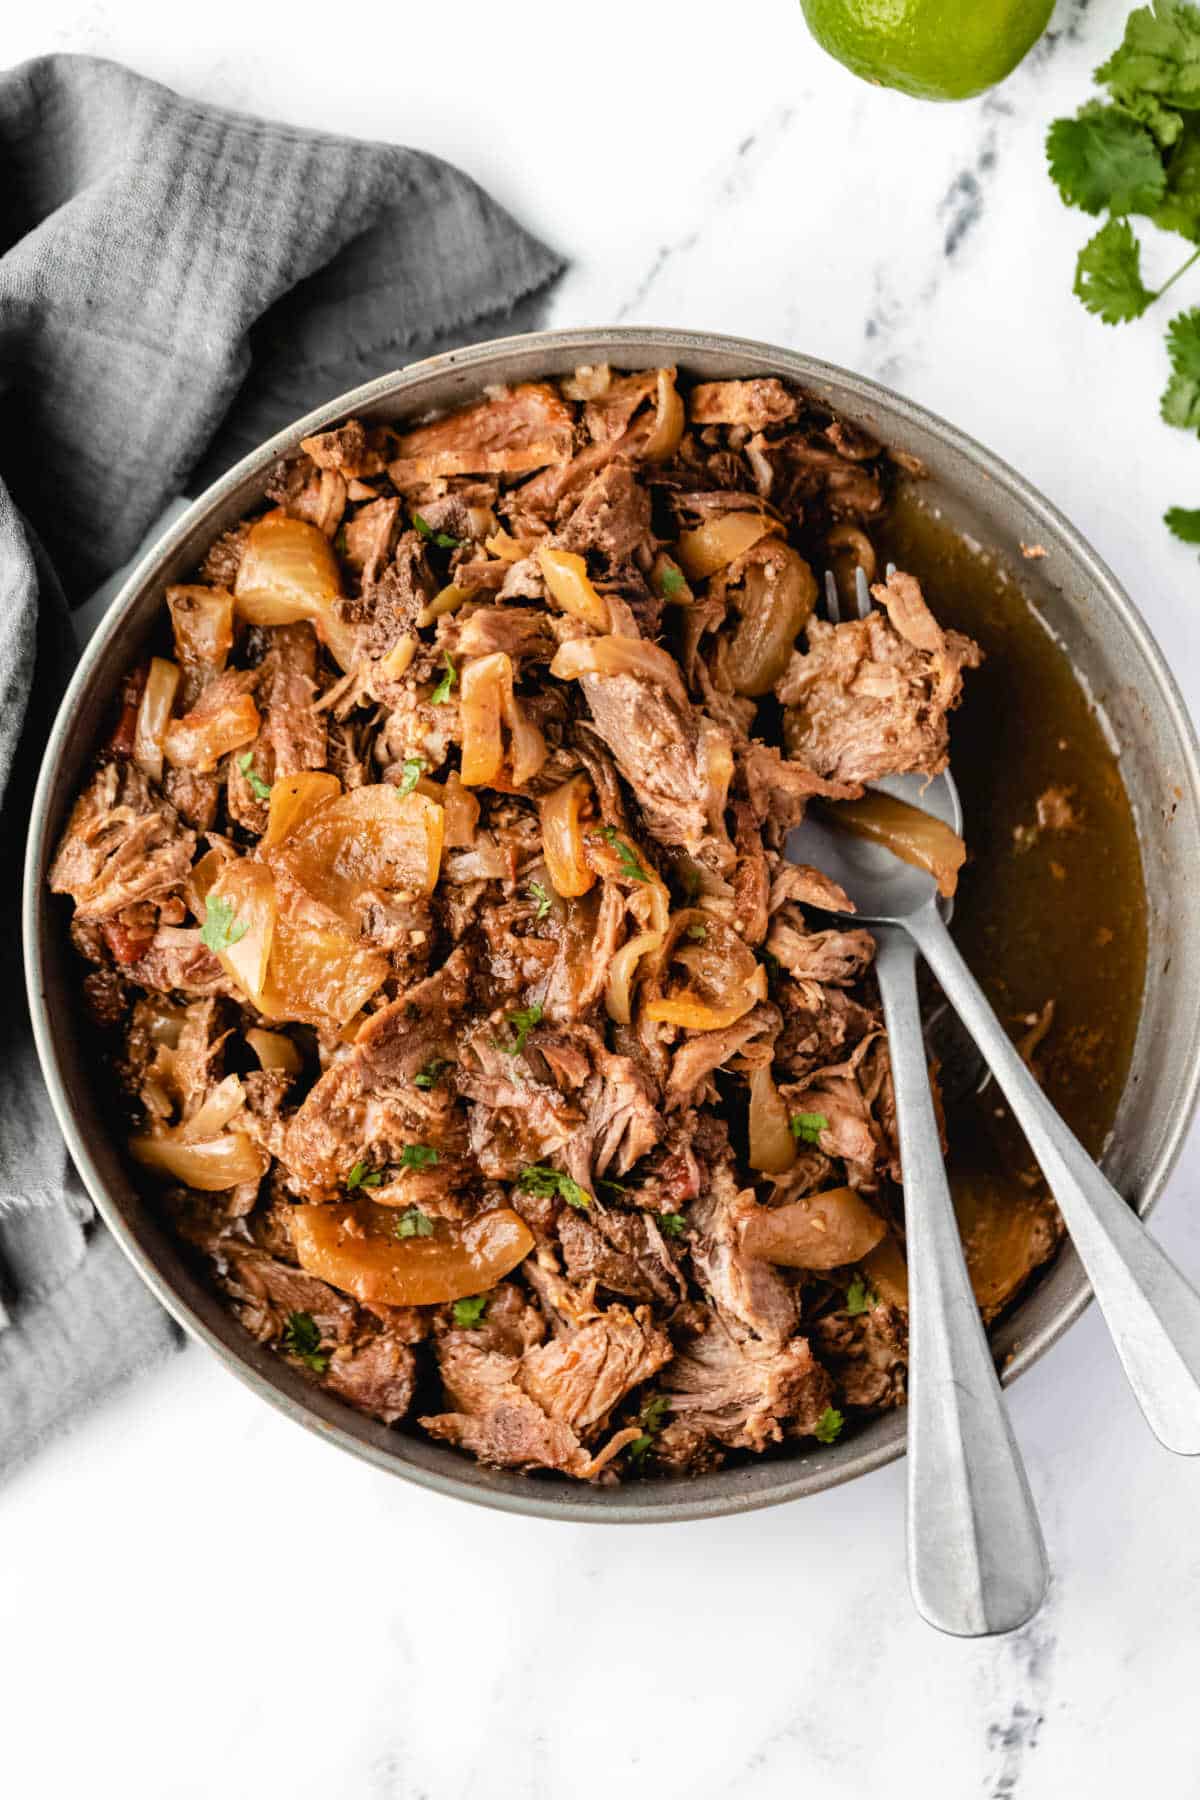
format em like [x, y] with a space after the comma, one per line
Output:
[1041, 914]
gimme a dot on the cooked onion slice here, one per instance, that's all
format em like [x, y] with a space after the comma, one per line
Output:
[212, 1167]
[275, 1050]
[562, 837]
[772, 1140]
[373, 838]
[289, 572]
[725, 979]
[822, 1231]
[619, 656]
[669, 421]
[569, 586]
[202, 620]
[154, 716]
[448, 600]
[226, 1099]
[218, 723]
[353, 1246]
[618, 997]
[294, 798]
[318, 974]
[245, 892]
[775, 592]
[488, 703]
[718, 542]
[914, 836]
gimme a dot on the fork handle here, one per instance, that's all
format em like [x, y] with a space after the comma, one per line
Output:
[1152, 1311]
[976, 1561]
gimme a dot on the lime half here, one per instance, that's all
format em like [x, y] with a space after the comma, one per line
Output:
[933, 49]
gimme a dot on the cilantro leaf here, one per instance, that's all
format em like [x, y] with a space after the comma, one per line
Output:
[441, 692]
[1179, 209]
[418, 1156]
[615, 1187]
[537, 892]
[1181, 401]
[650, 1419]
[221, 930]
[538, 1178]
[671, 583]
[414, 768]
[442, 539]
[1159, 55]
[523, 1022]
[1108, 276]
[428, 1076]
[1103, 158]
[1184, 522]
[262, 789]
[807, 1127]
[469, 1312]
[698, 933]
[829, 1426]
[860, 1297]
[672, 1224]
[630, 865]
[413, 1223]
[361, 1176]
[302, 1339]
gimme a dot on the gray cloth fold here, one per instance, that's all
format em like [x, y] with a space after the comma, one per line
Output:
[176, 283]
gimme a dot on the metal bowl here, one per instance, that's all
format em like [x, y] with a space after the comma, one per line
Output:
[1080, 603]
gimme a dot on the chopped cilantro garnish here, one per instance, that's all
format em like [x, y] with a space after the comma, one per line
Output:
[537, 892]
[1184, 521]
[442, 539]
[860, 1297]
[428, 1076]
[522, 1022]
[414, 768]
[673, 1224]
[302, 1339]
[808, 1126]
[413, 1223]
[539, 1179]
[262, 789]
[698, 933]
[829, 1426]
[361, 1176]
[630, 866]
[441, 692]
[671, 582]
[615, 1187]
[221, 930]
[418, 1156]
[650, 1419]
[469, 1312]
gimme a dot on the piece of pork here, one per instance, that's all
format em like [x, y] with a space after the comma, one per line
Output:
[122, 844]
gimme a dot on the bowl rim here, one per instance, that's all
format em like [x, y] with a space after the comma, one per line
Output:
[805, 1474]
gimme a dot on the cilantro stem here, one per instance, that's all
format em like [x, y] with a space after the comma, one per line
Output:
[1175, 277]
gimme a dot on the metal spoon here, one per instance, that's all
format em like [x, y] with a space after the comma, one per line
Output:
[1151, 1309]
[976, 1560]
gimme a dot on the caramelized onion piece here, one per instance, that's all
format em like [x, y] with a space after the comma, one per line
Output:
[567, 581]
[353, 1246]
[725, 978]
[668, 581]
[914, 836]
[211, 1118]
[887, 1272]
[247, 889]
[1005, 1236]
[718, 542]
[212, 1167]
[289, 572]
[775, 592]
[373, 839]
[213, 728]
[154, 716]
[488, 703]
[619, 656]
[392, 666]
[294, 798]
[318, 974]
[618, 996]
[461, 811]
[669, 421]
[562, 837]
[772, 1140]
[202, 620]
[822, 1231]
[448, 600]
[275, 1050]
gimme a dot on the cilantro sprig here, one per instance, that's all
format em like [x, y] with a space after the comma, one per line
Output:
[829, 1426]
[522, 1021]
[536, 891]
[630, 866]
[260, 788]
[540, 1179]
[442, 539]
[418, 1156]
[413, 1223]
[441, 692]
[302, 1339]
[221, 930]
[860, 1297]
[414, 768]
[651, 1421]
[1137, 154]
[807, 1126]
[468, 1312]
[362, 1177]
[427, 1077]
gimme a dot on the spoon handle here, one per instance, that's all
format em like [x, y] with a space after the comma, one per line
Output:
[1152, 1311]
[976, 1561]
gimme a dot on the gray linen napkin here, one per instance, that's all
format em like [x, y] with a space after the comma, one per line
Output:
[176, 283]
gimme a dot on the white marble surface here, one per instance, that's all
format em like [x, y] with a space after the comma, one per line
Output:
[198, 1598]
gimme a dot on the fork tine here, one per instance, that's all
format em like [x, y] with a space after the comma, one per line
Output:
[831, 599]
[862, 592]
